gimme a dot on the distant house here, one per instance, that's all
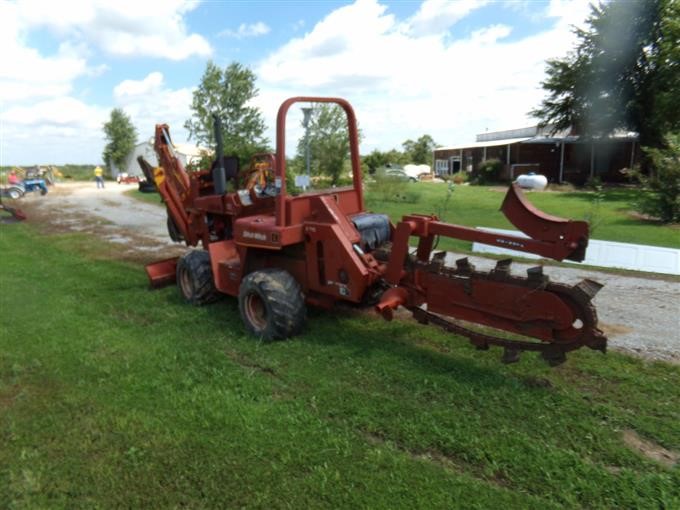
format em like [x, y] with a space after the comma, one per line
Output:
[186, 153]
[560, 156]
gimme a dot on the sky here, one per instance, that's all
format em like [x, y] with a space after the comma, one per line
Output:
[450, 69]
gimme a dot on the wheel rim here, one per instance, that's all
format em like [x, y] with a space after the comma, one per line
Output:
[256, 311]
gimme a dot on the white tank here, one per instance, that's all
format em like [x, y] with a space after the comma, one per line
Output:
[532, 181]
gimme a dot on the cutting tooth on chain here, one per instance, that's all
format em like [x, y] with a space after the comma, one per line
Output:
[440, 256]
[535, 275]
[437, 261]
[502, 267]
[463, 265]
[588, 287]
[535, 271]
[598, 342]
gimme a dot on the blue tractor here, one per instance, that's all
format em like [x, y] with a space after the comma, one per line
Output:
[35, 185]
[19, 189]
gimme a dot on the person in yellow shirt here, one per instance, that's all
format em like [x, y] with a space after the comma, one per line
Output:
[99, 177]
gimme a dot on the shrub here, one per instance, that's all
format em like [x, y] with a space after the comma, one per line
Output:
[442, 207]
[488, 171]
[459, 177]
[387, 188]
[594, 183]
[661, 196]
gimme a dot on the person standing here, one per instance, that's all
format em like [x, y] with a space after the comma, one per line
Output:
[99, 177]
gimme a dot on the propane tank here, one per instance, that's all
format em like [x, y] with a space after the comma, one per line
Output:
[532, 181]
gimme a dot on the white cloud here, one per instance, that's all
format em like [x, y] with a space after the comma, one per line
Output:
[24, 72]
[57, 112]
[148, 102]
[490, 35]
[120, 27]
[435, 16]
[57, 130]
[569, 12]
[247, 30]
[416, 76]
[37, 96]
[132, 88]
[71, 129]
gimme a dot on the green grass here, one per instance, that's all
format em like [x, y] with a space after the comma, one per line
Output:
[478, 206]
[112, 395]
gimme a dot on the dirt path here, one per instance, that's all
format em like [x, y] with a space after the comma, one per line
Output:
[139, 229]
[639, 315]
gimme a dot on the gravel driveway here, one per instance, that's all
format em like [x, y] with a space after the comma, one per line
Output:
[639, 315]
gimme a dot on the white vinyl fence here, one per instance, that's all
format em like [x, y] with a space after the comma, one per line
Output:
[637, 257]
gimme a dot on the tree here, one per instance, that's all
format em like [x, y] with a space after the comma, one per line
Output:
[624, 73]
[228, 93]
[328, 141]
[662, 197]
[420, 151]
[121, 135]
[374, 160]
[378, 159]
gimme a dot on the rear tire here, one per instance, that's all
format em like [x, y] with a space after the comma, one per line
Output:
[15, 193]
[195, 278]
[272, 305]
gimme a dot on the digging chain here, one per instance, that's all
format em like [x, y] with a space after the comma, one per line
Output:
[577, 297]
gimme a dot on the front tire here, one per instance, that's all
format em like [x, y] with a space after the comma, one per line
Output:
[272, 305]
[195, 278]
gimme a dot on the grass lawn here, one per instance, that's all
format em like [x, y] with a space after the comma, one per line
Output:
[112, 395]
[478, 206]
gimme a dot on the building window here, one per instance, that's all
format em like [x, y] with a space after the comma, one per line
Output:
[441, 166]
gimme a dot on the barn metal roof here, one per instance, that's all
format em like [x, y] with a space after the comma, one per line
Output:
[475, 145]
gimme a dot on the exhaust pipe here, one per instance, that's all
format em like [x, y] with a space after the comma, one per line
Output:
[219, 174]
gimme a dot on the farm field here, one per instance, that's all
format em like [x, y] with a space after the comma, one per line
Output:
[113, 395]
